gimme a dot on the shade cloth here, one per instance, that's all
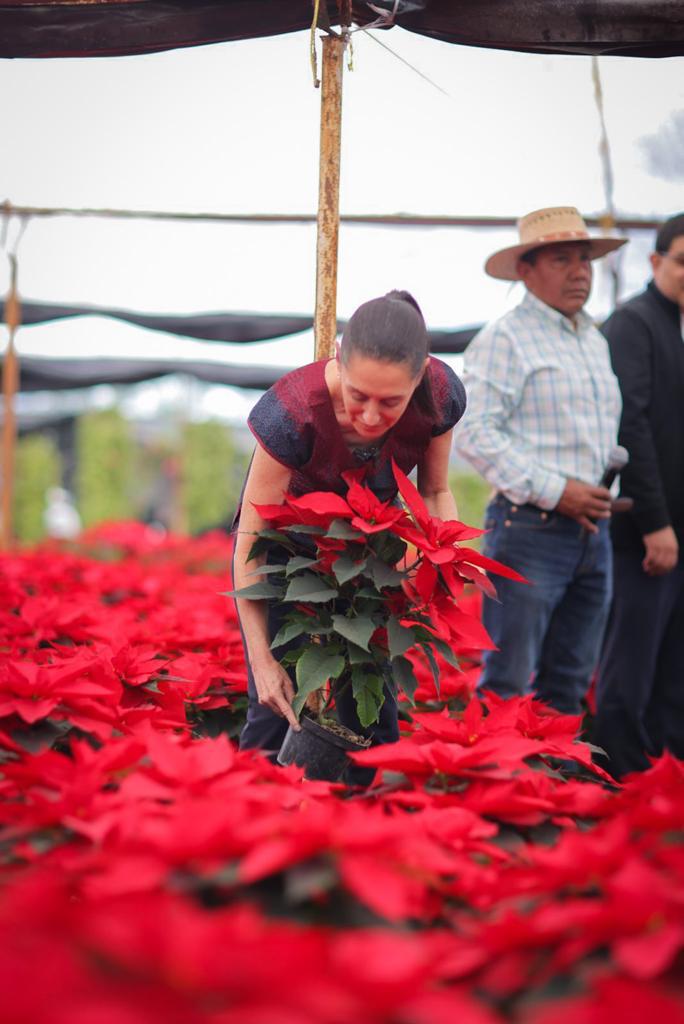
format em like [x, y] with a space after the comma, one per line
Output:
[204, 326]
[45, 374]
[638, 28]
[37, 374]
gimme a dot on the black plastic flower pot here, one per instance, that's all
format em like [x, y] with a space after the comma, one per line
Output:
[320, 751]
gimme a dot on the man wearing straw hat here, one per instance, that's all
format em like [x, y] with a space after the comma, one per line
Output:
[540, 426]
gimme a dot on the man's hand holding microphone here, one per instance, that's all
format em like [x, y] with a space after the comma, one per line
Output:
[588, 503]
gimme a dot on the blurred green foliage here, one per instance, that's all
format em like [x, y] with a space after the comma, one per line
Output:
[212, 471]
[38, 467]
[105, 467]
[472, 494]
[188, 479]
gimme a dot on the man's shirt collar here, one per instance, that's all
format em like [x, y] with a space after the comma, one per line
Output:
[582, 319]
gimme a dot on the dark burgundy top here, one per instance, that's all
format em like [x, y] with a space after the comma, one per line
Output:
[295, 422]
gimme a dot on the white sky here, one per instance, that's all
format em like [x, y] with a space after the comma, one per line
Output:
[234, 128]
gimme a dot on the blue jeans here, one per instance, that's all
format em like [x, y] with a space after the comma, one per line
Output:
[549, 632]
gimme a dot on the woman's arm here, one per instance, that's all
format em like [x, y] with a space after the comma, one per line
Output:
[267, 482]
[433, 478]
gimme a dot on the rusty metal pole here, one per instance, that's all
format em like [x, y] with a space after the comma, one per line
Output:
[325, 322]
[10, 382]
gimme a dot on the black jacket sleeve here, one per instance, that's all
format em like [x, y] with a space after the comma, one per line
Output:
[631, 351]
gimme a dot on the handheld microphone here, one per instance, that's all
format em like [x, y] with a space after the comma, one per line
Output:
[617, 460]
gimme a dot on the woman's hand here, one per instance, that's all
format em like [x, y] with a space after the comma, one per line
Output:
[275, 690]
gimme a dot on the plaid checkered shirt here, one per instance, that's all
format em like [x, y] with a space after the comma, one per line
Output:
[543, 403]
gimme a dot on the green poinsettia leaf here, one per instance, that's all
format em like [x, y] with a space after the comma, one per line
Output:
[256, 592]
[420, 624]
[595, 749]
[383, 575]
[41, 735]
[316, 531]
[290, 657]
[432, 662]
[367, 688]
[314, 668]
[340, 529]
[345, 568]
[400, 639]
[300, 625]
[389, 548]
[266, 570]
[288, 632]
[358, 629]
[266, 540]
[356, 655]
[369, 594]
[443, 647]
[309, 587]
[299, 562]
[405, 677]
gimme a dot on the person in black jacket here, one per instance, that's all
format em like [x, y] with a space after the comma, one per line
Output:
[640, 692]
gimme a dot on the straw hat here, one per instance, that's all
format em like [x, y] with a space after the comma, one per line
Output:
[547, 227]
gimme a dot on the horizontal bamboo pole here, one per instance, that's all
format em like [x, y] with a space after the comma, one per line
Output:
[401, 220]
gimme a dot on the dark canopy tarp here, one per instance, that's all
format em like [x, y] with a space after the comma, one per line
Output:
[232, 327]
[631, 28]
[204, 326]
[44, 374]
[37, 374]
[639, 28]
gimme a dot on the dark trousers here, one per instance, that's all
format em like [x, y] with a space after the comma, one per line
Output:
[640, 692]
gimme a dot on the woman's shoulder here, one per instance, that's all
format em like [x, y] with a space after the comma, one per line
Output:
[284, 417]
[445, 381]
[302, 387]
[440, 368]
[296, 392]
[309, 374]
[448, 394]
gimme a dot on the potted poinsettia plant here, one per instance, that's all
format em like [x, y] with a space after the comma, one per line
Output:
[373, 582]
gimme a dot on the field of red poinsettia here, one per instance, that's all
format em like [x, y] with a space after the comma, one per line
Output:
[152, 873]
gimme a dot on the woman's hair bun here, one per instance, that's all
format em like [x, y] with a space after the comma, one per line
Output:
[404, 296]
